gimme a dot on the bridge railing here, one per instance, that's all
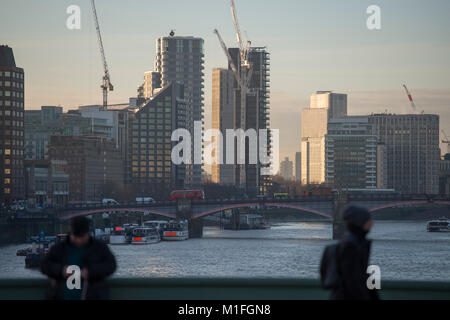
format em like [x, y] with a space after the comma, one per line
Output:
[226, 289]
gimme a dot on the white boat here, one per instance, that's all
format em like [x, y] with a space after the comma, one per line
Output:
[175, 231]
[144, 235]
[440, 225]
[155, 224]
[119, 236]
[130, 226]
[122, 234]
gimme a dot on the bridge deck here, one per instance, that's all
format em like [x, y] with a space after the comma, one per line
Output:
[220, 288]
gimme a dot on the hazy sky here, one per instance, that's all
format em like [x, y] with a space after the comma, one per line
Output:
[314, 45]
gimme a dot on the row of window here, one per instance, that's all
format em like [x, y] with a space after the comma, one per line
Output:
[17, 75]
[163, 175]
[8, 93]
[8, 132]
[150, 147]
[14, 123]
[161, 115]
[14, 142]
[153, 163]
[9, 103]
[11, 84]
[153, 169]
[153, 134]
[159, 154]
[13, 152]
[13, 113]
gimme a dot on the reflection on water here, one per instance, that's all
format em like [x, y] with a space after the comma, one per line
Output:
[403, 250]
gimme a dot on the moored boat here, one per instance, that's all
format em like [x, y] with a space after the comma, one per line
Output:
[155, 224]
[440, 225]
[144, 235]
[119, 236]
[175, 231]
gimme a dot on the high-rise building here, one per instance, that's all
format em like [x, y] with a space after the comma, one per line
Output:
[223, 118]
[287, 169]
[298, 166]
[40, 125]
[94, 165]
[256, 117]
[444, 175]
[351, 153]
[12, 179]
[324, 105]
[152, 82]
[150, 140]
[181, 59]
[47, 182]
[411, 143]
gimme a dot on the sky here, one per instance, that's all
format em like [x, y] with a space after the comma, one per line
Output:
[314, 45]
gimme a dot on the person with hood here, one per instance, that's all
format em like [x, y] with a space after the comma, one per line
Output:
[79, 251]
[352, 257]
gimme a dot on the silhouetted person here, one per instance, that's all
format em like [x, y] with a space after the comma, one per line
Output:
[350, 258]
[91, 256]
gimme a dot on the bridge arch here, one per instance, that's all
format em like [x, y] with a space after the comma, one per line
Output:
[254, 204]
[410, 203]
[112, 209]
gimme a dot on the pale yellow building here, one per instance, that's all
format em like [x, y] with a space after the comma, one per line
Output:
[324, 105]
[223, 117]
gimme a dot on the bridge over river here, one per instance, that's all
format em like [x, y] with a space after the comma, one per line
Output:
[325, 206]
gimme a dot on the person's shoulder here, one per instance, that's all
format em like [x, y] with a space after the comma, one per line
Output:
[58, 247]
[348, 243]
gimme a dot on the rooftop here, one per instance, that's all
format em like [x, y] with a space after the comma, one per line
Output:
[6, 56]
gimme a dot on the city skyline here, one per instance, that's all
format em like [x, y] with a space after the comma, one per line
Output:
[309, 49]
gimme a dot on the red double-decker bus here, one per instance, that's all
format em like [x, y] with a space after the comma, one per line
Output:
[187, 194]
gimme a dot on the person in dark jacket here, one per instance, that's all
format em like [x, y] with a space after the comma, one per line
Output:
[80, 251]
[353, 257]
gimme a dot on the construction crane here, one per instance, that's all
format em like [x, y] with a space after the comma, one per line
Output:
[244, 49]
[413, 106]
[242, 72]
[446, 141]
[106, 84]
[230, 60]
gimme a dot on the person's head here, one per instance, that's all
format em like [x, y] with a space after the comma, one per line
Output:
[79, 231]
[357, 217]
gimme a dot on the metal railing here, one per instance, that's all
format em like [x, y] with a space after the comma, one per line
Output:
[226, 289]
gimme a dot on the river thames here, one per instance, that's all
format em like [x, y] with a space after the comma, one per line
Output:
[402, 249]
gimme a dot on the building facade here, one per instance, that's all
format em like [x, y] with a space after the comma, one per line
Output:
[223, 118]
[47, 183]
[181, 59]
[12, 178]
[94, 165]
[151, 144]
[411, 143]
[152, 82]
[298, 166]
[287, 169]
[324, 105]
[257, 117]
[40, 125]
[351, 153]
[444, 175]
